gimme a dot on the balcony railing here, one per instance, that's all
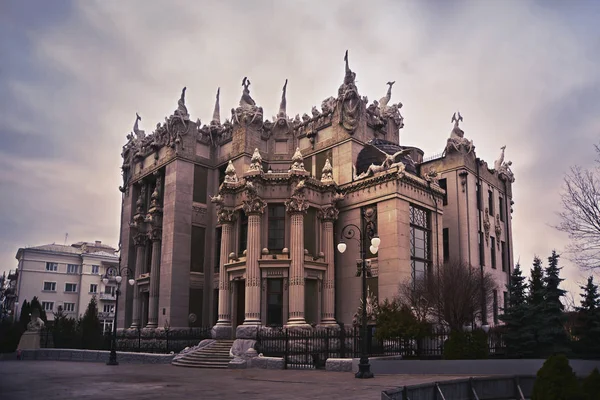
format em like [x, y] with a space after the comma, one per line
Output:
[107, 296]
[103, 314]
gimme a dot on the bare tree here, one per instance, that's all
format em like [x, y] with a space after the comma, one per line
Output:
[453, 294]
[580, 215]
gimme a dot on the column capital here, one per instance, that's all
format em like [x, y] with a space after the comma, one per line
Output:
[140, 239]
[328, 213]
[225, 216]
[155, 234]
[254, 205]
[296, 204]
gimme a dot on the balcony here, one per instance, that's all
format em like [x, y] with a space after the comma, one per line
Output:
[103, 314]
[107, 296]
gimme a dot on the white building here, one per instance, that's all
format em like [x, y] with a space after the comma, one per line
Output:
[67, 277]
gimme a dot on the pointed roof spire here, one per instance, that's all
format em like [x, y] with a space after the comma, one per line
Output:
[350, 76]
[230, 175]
[283, 104]
[216, 119]
[297, 161]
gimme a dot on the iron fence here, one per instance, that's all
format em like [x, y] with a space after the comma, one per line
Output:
[306, 349]
[136, 340]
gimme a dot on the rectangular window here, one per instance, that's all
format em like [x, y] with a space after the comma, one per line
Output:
[197, 258]
[218, 235]
[491, 202]
[443, 185]
[200, 183]
[310, 231]
[481, 250]
[95, 269]
[308, 164]
[243, 243]
[50, 266]
[495, 306]
[69, 307]
[503, 255]
[274, 302]
[71, 287]
[493, 251]
[93, 288]
[479, 200]
[49, 286]
[420, 239]
[109, 308]
[48, 305]
[276, 227]
[501, 208]
[109, 290]
[446, 243]
[72, 268]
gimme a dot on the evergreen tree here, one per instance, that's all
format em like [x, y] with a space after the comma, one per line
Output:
[553, 337]
[24, 318]
[535, 305]
[588, 321]
[91, 329]
[518, 336]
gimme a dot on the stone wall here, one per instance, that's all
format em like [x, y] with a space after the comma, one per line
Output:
[93, 356]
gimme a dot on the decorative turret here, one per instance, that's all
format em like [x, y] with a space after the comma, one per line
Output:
[255, 162]
[327, 173]
[297, 162]
[230, 175]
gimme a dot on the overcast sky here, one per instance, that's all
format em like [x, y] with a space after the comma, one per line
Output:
[73, 74]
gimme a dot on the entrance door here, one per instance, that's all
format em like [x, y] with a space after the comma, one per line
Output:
[311, 294]
[274, 302]
[240, 309]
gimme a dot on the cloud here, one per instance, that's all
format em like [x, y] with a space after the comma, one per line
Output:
[522, 73]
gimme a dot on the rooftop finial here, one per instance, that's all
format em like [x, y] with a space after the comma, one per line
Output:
[283, 104]
[217, 112]
[182, 111]
[136, 128]
[456, 119]
[349, 78]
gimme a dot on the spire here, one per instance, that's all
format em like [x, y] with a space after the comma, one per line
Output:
[350, 76]
[216, 119]
[255, 162]
[283, 104]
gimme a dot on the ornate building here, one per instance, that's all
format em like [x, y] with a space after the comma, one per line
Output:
[235, 223]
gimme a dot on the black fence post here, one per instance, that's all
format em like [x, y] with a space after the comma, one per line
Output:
[326, 345]
[139, 338]
[287, 349]
[342, 341]
[167, 337]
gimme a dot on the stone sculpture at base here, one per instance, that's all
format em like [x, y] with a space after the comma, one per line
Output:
[31, 338]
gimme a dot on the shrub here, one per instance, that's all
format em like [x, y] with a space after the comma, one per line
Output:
[396, 320]
[556, 381]
[591, 385]
[466, 345]
[10, 334]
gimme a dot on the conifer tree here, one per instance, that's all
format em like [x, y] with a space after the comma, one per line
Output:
[535, 304]
[35, 303]
[588, 321]
[24, 318]
[553, 337]
[91, 329]
[518, 336]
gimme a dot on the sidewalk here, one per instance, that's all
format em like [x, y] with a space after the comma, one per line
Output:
[53, 380]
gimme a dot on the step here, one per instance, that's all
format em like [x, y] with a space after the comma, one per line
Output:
[192, 362]
[203, 364]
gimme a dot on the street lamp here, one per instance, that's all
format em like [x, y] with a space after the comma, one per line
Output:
[349, 232]
[116, 273]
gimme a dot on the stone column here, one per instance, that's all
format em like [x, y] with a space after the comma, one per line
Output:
[296, 207]
[140, 247]
[252, 316]
[223, 329]
[327, 216]
[156, 236]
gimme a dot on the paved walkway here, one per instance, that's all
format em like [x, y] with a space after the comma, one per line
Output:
[50, 380]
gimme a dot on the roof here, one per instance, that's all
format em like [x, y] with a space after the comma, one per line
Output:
[372, 154]
[102, 254]
[55, 248]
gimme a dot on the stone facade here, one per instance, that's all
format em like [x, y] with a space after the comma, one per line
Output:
[235, 223]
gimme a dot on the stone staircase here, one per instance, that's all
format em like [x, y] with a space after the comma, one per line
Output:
[215, 355]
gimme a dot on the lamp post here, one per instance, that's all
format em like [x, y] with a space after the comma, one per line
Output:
[117, 273]
[349, 232]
